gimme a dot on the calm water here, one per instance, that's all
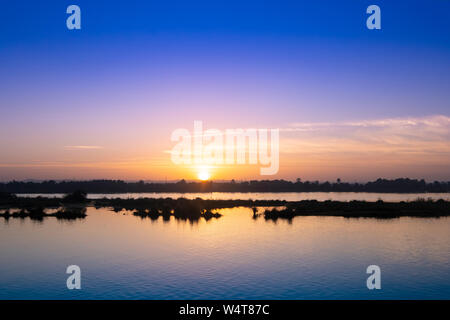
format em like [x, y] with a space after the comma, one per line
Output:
[235, 256]
[289, 196]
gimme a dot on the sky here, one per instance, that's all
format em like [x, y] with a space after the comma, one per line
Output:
[103, 101]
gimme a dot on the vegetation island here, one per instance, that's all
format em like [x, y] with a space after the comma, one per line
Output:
[73, 206]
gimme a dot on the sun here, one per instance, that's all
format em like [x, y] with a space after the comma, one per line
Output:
[203, 174]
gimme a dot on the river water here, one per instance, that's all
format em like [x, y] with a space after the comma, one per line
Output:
[122, 256]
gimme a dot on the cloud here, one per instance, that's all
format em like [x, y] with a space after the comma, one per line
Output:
[394, 136]
[436, 123]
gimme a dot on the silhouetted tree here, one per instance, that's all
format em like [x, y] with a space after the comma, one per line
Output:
[78, 196]
[402, 185]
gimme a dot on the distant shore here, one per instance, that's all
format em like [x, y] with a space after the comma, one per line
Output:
[403, 185]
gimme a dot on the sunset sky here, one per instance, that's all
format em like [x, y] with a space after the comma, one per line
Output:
[102, 102]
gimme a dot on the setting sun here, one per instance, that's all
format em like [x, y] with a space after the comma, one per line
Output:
[203, 174]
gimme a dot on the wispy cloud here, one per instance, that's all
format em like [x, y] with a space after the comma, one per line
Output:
[414, 135]
[436, 123]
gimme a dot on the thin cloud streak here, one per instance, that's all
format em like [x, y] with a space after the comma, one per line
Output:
[428, 133]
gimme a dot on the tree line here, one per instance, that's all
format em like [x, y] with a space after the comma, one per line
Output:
[403, 185]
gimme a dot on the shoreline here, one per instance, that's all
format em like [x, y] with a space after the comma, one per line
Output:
[380, 185]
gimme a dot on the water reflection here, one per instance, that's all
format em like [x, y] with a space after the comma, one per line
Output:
[40, 213]
[234, 257]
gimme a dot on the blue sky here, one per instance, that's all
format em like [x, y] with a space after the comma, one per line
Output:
[319, 46]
